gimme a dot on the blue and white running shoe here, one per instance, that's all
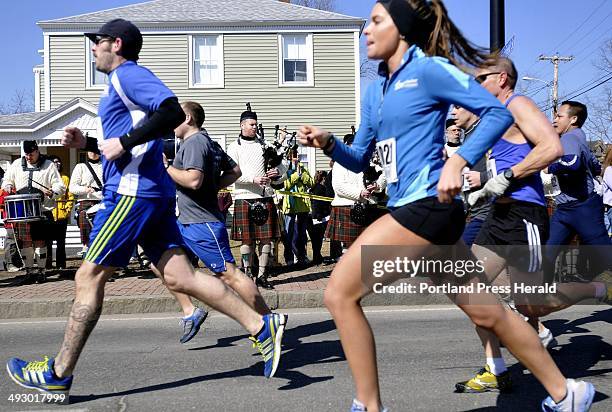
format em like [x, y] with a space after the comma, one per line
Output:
[579, 398]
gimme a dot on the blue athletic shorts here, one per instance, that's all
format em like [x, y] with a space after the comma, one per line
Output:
[125, 221]
[209, 242]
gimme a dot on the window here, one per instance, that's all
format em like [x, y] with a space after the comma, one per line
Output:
[307, 156]
[95, 79]
[206, 61]
[295, 60]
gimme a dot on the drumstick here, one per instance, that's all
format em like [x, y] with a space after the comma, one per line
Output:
[40, 184]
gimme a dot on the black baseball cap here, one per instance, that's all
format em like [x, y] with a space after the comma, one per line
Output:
[124, 30]
[29, 146]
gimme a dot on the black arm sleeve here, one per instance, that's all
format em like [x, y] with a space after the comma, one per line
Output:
[161, 123]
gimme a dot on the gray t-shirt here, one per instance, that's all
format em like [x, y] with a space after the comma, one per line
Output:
[201, 153]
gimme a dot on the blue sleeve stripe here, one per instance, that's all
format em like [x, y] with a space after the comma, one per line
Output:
[462, 78]
[569, 160]
[566, 163]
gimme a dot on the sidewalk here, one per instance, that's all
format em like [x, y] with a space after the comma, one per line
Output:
[139, 291]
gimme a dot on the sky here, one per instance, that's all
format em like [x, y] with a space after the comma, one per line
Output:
[539, 27]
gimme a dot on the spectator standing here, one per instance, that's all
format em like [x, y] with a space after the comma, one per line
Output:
[61, 214]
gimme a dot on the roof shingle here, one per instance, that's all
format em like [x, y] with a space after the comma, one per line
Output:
[21, 119]
[207, 11]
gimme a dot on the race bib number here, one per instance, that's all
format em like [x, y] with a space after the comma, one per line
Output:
[466, 185]
[388, 158]
[491, 168]
[554, 183]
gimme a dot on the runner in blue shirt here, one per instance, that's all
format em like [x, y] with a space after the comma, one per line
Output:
[579, 209]
[403, 116]
[136, 110]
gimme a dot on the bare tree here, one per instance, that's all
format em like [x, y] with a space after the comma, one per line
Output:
[368, 68]
[22, 101]
[327, 5]
[599, 122]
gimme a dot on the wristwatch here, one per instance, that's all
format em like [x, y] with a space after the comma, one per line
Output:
[509, 174]
[329, 143]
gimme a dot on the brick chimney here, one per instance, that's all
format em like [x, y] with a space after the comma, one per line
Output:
[284, 1]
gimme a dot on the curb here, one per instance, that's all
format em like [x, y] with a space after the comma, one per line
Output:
[276, 300]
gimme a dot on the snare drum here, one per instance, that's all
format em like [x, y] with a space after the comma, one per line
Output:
[23, 208]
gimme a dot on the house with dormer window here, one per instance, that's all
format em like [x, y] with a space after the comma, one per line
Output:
[294, 64]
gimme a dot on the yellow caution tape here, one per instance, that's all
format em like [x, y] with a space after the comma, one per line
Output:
[304, 196]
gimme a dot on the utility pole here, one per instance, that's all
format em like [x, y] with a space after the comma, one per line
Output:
[555, 61]
[496, 25]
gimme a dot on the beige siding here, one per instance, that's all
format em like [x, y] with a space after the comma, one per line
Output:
[251, 75]
[67, 70]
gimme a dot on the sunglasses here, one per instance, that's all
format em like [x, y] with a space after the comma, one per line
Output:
[99, 39]
[481, 78]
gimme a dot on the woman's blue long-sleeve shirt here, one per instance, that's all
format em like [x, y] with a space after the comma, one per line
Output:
[403, 115]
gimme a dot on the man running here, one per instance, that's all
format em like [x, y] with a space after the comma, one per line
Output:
[517, 225]
[138, 207]
[200, 169]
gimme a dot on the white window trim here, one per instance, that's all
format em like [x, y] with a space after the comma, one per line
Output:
[309, 62]
[89, 76]
[37, 73]
[312, 160]
[47, 74]
[221, 83]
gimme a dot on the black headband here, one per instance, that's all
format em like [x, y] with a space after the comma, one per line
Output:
[413, 27]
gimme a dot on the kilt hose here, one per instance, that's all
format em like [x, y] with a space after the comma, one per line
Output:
[340, 226]
[84, 224]
[246, 231]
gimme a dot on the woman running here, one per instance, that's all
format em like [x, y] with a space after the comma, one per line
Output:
[403, 115]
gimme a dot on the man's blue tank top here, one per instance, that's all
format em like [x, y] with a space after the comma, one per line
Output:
[506, 155]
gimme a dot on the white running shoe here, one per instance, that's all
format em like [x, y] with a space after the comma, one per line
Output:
[360, 407]
[547, 338]
[579, 398]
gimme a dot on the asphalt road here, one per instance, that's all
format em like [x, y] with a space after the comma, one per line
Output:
[135, 363]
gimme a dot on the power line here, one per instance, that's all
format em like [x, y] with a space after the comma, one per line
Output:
[585, 52]
[589, 32]
[577, 90]
[572, 33]
[536, 91]
[593, 43]
[587, 84]
[586, 91]
[579, 26]
[591, 88]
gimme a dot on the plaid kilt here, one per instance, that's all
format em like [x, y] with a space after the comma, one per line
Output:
[29, 232]
[84, 224]
[340, 226]
[246, 231]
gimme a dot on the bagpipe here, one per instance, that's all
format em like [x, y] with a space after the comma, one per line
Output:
[279, 148]
[273, 155]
